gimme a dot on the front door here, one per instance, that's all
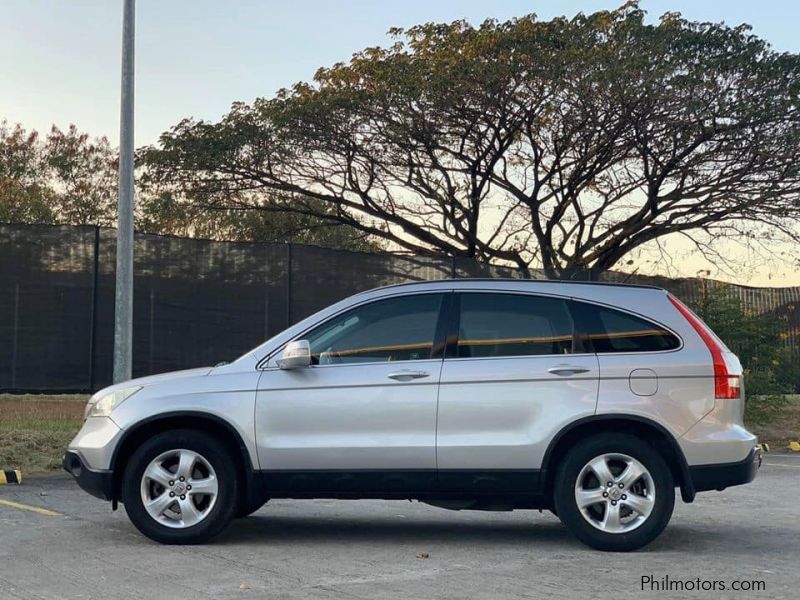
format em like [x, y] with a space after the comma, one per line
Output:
[515, 376]
[362, 419]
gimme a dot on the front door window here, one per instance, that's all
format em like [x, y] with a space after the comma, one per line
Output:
[391, 330]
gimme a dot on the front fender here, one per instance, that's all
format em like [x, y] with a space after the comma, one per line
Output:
[226, 397]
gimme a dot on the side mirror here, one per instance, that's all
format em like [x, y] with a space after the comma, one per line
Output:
[295, 355]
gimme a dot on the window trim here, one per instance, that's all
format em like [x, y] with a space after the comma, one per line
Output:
[453, 335]
[265, 363]
[579, 327]
[450, 313]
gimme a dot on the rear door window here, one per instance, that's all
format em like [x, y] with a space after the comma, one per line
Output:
[607, 330]
[496, 324]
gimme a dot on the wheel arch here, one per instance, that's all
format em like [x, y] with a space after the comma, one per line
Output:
[646, 429]
[213, 425]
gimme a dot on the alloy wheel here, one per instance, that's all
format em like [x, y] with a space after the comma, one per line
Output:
[179, 488]
[615, 493]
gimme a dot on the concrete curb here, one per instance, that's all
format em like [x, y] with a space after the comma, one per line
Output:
[10, 476]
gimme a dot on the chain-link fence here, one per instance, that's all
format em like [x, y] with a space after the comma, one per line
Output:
[199, 302]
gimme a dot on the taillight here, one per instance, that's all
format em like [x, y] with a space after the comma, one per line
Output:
[727, 386]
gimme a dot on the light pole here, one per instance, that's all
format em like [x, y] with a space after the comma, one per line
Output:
[123, 299]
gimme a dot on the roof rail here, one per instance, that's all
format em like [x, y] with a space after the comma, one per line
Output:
[518, 281]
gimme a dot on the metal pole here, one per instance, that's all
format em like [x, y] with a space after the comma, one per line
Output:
[123, 304]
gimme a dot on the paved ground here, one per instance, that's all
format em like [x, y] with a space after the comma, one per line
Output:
[368, 550]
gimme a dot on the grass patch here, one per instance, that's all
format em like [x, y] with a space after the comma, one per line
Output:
[36, 429]
[782, 427]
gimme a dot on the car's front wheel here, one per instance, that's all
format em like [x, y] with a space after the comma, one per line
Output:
[614, 492]
[180, 487]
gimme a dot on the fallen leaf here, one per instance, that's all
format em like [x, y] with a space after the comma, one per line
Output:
[244, 586]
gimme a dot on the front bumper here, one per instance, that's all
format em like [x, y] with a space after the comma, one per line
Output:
[99, 483]
[723, 475]
[97, 442]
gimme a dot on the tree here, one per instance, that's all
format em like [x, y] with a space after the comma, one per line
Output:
[24, 192]
[83, 172]
[566, 144]
[164, 212]
[70, 178]
[66, 177]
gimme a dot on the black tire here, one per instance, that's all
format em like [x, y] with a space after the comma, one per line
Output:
[217, 456]
[567, 507]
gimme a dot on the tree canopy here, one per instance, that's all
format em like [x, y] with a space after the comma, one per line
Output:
[565, 144]
[65, 177]
[68, 177]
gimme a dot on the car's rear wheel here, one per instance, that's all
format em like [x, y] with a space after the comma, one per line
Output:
[614, 492]
[180, 487]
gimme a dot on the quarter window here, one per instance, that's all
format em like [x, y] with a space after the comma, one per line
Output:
[609, 330]
[395, 329]
[513, 325]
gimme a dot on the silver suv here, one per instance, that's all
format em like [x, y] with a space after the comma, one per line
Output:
[594, 401]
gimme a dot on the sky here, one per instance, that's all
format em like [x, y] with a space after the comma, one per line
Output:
[59, 59]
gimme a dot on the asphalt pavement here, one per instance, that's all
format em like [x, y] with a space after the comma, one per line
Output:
[747, 536]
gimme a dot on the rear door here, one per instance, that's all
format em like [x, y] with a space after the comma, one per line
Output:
[514, 374]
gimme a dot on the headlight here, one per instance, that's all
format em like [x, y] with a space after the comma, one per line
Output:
[103, 406]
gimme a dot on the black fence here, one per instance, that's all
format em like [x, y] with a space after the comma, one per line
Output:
[199, 302]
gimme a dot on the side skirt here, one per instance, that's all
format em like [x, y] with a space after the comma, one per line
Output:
[520, 486]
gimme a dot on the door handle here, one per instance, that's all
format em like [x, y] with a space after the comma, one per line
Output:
[567, 370]
[408, 375]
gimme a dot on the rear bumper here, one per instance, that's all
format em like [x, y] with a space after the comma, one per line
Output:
[723, 475]
[99, 484]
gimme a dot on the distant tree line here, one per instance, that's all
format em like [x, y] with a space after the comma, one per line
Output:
[63, 177]
[68, 177]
